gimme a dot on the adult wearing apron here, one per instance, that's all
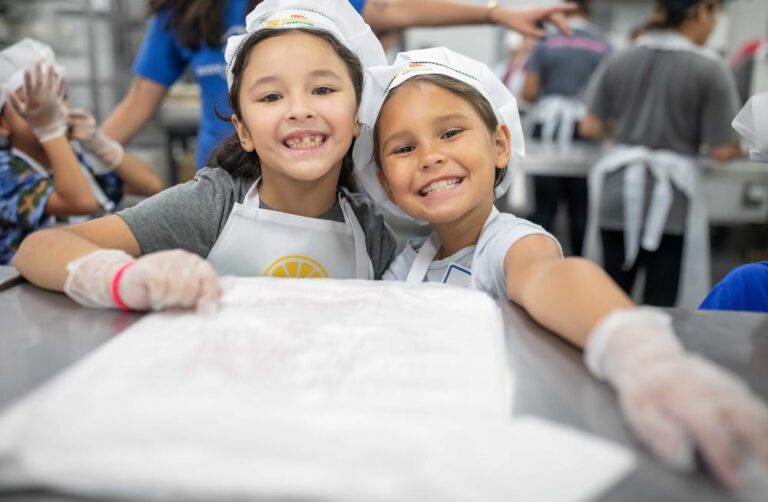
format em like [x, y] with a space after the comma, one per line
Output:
[746, 287]
[665, 102]
[556, 74]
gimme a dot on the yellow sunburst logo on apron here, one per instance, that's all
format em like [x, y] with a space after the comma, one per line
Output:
[296, 266]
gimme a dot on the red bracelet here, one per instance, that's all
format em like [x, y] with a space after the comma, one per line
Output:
[116, 285]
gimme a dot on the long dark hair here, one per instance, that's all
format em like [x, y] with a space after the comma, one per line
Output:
[461, 89]
[196, 21]
[229, 155]
[666, 18]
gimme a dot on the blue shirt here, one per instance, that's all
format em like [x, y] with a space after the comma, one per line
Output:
[162, 58]
[745, 288]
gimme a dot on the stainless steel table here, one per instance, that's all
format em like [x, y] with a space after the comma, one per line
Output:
[42, 333]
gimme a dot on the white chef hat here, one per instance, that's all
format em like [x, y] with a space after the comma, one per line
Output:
[752, 124]
[337, 17]
[23, 55]
[436, 61]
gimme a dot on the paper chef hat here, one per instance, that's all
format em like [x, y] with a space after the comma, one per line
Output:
[336, 17]
[752, 124]
[439, 61]
[22, 55]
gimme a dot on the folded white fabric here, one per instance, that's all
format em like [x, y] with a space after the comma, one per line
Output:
[331, 390]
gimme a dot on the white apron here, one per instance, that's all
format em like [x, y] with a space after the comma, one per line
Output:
[668, 169]
[105, 203]
[562, 111]
[262, 242]
[458, 274]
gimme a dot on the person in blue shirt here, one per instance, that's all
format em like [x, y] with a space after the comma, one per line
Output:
[192, 33]
[745, 288]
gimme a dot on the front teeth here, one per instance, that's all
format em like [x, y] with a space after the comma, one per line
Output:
[305, 142]
[439, 186]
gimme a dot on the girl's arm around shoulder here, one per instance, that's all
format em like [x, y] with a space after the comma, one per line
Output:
[42, 257]
[566, 295]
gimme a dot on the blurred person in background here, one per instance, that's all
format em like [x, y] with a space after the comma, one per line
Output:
[556, 74]
[511, 69]
[192, 33]
[54, 163]
[664, 102]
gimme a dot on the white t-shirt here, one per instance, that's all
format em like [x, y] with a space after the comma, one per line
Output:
[484, 262]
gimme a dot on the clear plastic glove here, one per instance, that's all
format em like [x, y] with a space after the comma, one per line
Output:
[677, 402]
[41, 102]
[84, 130]
[156, 281]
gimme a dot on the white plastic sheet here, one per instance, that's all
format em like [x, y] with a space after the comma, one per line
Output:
[332, 390]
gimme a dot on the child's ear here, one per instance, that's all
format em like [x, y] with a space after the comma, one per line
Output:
[242, 133]
[384, 183]
[356, 132]
[503, 142]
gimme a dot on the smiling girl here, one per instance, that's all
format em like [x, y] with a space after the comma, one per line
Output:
[275, 205]
[446, 134]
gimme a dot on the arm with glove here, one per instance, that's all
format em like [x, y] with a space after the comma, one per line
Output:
[107, 155]
[676, 402]
[40, 104]
[99, 264]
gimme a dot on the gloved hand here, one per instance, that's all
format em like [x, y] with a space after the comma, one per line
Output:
[41, 102]
[156, 281]
[676, 401]
[83, 129]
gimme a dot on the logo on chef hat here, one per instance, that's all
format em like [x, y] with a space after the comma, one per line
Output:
[294, 19]
[411, 67]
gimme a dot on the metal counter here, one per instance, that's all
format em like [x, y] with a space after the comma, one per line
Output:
[43, 333]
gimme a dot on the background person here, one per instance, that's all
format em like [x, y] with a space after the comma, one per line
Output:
[53, 164]
[556, 74]
[664, 101]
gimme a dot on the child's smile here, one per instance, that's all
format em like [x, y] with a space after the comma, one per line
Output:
[298, 108]
[437, 166]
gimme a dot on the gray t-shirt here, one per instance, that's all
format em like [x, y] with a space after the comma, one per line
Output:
[564, 64]
[191, 216]
[662, 99]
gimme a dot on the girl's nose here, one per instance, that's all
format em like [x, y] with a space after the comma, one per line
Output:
[300, 109]
[432, 159]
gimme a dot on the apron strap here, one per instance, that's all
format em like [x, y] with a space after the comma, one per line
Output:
[633, 191]
[363, 265]
[428, 251]
[658, 212]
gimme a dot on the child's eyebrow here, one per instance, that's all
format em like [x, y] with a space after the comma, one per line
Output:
[325, 73]
[397, 136]
[449, 116]
[268, 79]
[263, 80]
[439, 120]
